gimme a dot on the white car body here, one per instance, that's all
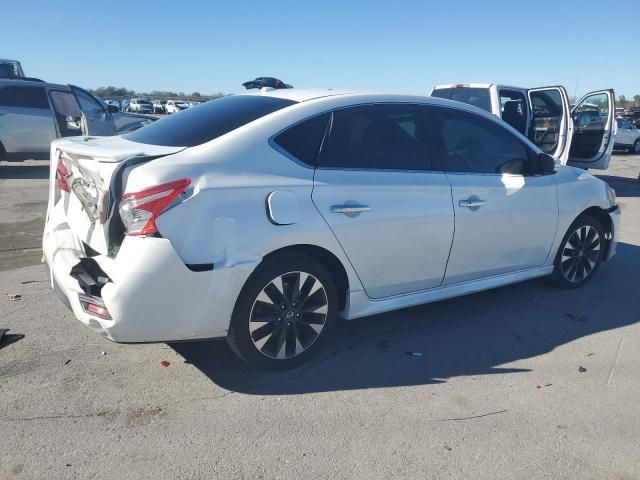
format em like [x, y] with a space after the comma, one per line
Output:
[566, 137]
[139, 105]
[175, 106]
[627, 137]
[249, 199]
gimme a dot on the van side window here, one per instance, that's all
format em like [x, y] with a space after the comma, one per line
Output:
[473, 144]
[23, 96]
[379, 137]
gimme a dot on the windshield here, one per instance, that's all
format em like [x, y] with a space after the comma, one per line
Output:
[211, 120]
[144, 102]
[478, 97]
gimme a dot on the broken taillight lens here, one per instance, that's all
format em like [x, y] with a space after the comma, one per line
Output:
[61, 176]
[139, 210]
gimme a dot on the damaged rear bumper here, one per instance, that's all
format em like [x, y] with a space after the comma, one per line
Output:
[150, 294]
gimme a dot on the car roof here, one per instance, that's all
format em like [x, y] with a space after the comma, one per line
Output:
[33, 83]
[298, 94]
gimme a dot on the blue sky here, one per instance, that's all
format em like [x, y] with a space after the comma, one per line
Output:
[402, 46]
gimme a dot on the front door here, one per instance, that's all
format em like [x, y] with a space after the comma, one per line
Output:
[550, 126]
[505, 218]
[385, 197]
[96, 119]
[594, 130]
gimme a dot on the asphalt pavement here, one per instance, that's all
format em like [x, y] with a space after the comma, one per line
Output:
[524, 381]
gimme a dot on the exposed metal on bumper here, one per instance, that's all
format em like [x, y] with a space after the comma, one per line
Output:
[152, 295]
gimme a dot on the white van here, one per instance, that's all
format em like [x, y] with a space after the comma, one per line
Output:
[581, 136]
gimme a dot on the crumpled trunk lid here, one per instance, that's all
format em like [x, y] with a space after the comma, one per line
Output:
[94, 170]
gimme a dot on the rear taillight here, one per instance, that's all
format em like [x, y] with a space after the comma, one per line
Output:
[139, 210]
[61, 176]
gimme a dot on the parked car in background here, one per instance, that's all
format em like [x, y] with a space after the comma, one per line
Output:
[124, 105]
[175, 106]
[627, 136]
[266, 82]
[34, 113]
[10, 69]
[544, 116]
[159, 106]
[140, 105]
[263, 217]
[193, 104]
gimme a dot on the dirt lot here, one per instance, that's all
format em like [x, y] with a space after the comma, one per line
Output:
[524, 381]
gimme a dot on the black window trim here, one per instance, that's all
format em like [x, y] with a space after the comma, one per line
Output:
[432, 139]
[441, 147]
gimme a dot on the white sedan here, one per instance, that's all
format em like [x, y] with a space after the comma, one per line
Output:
[264, 217]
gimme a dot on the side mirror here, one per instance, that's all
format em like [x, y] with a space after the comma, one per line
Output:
[112, 108]
[545, 164]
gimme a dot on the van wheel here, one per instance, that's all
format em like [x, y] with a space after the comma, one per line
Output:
[285, 311]
[580, 253]
[636, 147]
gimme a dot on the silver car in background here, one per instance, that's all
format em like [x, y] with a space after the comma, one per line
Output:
[34, 113]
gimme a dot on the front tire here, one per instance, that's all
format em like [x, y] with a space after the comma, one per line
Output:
[635, 148]
[284, 313]
[580, 253]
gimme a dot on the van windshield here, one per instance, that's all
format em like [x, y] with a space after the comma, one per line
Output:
[478, 97]
[210, 120]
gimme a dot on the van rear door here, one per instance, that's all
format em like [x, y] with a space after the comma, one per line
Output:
[550, 123]
[594, 130]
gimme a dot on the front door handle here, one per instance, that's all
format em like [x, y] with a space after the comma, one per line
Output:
[472, 203]
[349, 209]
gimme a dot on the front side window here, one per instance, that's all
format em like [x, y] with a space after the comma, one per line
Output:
[195, 126]
[25, 97]
[473, 144]
[381, 137]
[303, 139]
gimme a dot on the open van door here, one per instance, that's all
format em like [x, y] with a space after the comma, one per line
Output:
[95, 116]
[550, 125]
[594, 129]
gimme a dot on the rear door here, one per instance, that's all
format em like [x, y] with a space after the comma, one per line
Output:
[96, 118]
[385, 197]
[550, 122]
[594, 130]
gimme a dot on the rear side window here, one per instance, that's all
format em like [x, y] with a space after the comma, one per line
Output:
[380, 137]
[195, 126]
[478, 97]
[303, 139]
[25, 97]
[473, 144]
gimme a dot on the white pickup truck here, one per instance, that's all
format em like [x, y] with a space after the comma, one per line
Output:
[581, 136]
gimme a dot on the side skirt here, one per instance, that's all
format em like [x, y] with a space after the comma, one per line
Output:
[359, 305]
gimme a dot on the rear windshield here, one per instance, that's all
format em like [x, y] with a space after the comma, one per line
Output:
[210, 120]
[478, 97]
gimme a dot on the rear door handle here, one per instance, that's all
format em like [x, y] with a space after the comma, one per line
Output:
[349, 209]
[471, 203]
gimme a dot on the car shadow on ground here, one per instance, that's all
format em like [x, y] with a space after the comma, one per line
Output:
[624, 186]
[23, 172]
[473, 335]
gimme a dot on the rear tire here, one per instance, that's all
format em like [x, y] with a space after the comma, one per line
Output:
[284, 313]
[580, 253]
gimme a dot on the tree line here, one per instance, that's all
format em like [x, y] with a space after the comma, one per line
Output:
[118, 93]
